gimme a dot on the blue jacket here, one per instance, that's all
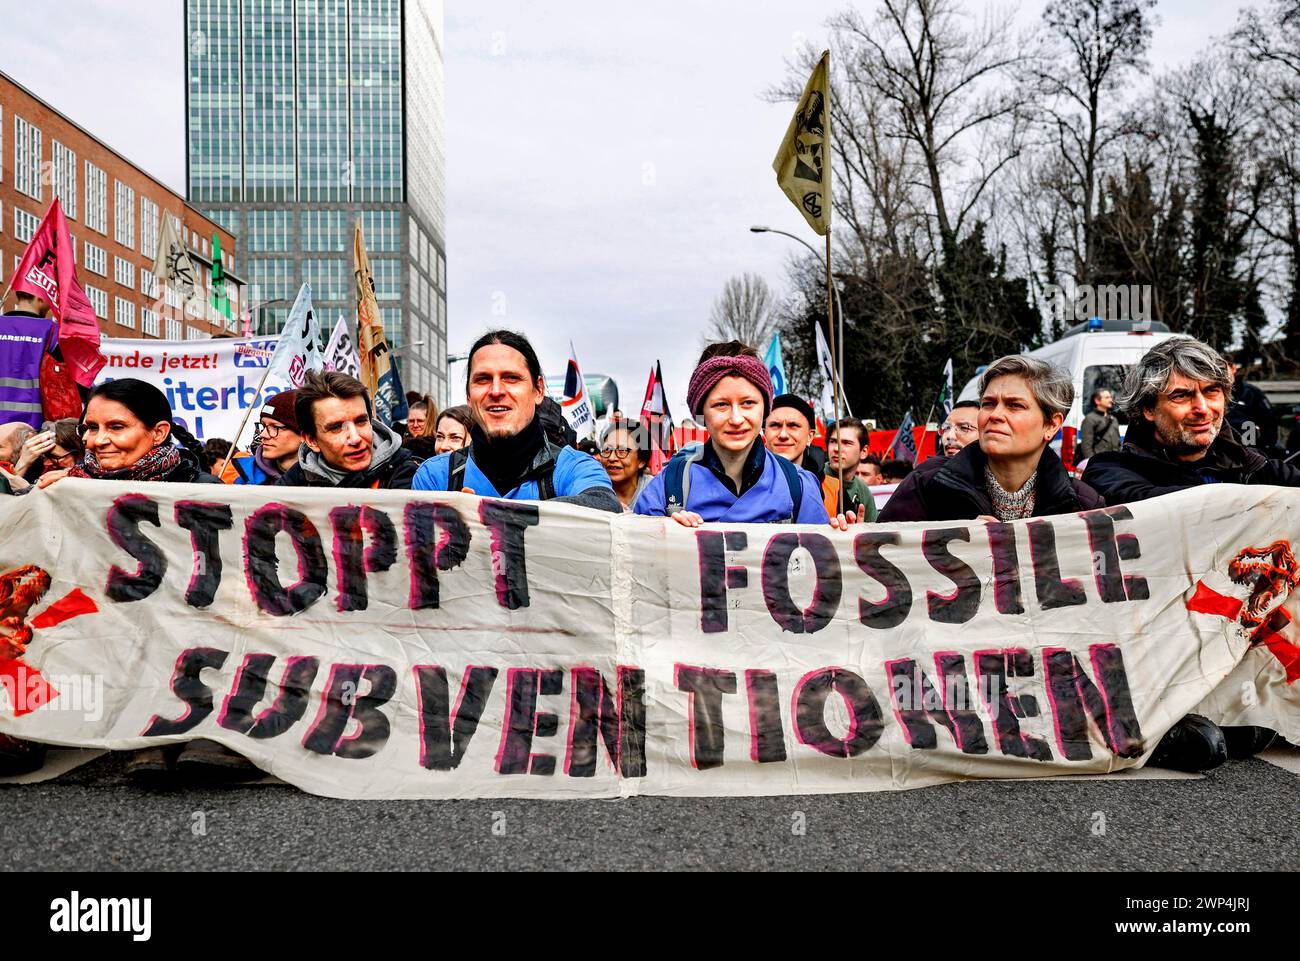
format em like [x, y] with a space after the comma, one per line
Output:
[765, 498]
[574, 473]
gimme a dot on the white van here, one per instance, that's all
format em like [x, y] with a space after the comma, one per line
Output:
[1098, 357]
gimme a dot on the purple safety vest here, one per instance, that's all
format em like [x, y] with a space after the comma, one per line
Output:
[24, 340]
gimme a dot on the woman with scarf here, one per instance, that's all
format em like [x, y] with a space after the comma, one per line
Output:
[129, 435]
[1011, 473]
[732, 477]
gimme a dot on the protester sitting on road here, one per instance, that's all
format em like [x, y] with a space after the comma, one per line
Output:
[732, 476]
[625, 454]
[895, 471]
[128, 435]
[1176, 397]
[1100, 431]
[452, 431]
[511, 455]
[1011, 473]
[420, 418]
[961, 427]
[845, 444]
[869, 470]
[788, 432]
[343, 444]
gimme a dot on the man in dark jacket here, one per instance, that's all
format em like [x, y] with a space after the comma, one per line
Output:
[954, 489]
[343, 445]
[1176, 398]
[1100, 431]
[1251, 415]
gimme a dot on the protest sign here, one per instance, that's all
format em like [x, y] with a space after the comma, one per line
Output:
[209, 383]
[412, 645]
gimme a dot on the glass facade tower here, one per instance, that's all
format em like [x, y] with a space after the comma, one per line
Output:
[304, 116]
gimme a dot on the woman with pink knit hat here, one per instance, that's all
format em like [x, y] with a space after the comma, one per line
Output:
[732, 476]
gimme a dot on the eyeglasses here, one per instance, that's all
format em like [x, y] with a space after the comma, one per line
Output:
[269, 431]
[66, 459]
[620, 452]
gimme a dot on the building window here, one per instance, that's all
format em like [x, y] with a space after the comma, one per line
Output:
[96, 259]
[148, 322]
[124, 272]
[96, 212]
[174, 329]
[124, 310]
[193, 333]
[65, 178]
[27, 158]
[99, 300]
[148, 282]
[148, 227]
[124, 214]
[25, 225]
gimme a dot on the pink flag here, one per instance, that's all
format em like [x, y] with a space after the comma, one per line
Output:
[49, 271]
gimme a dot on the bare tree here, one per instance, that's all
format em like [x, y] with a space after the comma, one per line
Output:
[744, 311]
[947, 84]
[1096, 45]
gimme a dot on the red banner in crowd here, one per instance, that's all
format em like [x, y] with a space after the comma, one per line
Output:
[48, 270]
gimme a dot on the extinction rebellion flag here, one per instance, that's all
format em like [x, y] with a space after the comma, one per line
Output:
[803, 162]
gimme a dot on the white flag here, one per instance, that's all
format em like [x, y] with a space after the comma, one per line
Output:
[341, 354]
[575, 404]
[172, 265]
[828, 372]
[298, 349]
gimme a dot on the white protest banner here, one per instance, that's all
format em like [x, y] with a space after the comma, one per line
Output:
[419, 645]
[575, 405]
[341, 354]
[209, 383]
[298, 349]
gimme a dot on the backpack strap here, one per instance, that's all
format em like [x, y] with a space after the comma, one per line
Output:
[792, 481]
[546, 481]
[677, 479]
[456, 469]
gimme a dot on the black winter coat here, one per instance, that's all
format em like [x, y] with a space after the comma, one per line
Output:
[1142, 469]
[952, 489]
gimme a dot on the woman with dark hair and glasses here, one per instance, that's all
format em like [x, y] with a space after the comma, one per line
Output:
[625, 455]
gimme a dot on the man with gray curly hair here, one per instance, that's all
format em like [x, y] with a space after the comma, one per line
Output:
[1176, 398]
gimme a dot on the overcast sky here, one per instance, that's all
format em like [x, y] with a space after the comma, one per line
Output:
[605, 160]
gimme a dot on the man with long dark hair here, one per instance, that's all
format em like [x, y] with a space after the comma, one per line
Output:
[510, 454]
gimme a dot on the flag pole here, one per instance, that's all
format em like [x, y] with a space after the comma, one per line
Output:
[835, 363]
[244, 423]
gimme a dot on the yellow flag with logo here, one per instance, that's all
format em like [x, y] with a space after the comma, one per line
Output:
[803, 162]
[377, 370]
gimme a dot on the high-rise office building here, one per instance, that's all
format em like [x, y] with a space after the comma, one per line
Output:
[307, 115]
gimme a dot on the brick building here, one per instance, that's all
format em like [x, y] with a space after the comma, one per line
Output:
[115, 213]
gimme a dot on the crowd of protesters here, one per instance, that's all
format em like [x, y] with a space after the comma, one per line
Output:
[994, 460]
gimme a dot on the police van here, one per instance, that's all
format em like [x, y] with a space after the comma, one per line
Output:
[1098, 355]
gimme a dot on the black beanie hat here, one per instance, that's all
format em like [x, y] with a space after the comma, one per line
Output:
[798, 403]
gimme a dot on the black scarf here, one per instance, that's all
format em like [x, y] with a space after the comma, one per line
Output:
[506, 461]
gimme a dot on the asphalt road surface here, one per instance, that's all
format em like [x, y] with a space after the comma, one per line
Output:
[1240, 817]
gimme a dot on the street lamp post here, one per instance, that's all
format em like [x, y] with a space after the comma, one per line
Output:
[839, 308]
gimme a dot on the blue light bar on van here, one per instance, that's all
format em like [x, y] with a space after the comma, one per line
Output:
[1095, 323]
